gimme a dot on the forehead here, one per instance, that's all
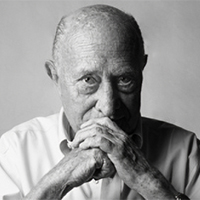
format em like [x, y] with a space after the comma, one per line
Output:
[97, 46]
[89, 54]
[102, 30]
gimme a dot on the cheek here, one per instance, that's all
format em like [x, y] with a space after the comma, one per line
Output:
[132, 102]
[78, 107]
[68, 92]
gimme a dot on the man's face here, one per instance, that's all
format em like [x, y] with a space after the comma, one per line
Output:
[100, 78]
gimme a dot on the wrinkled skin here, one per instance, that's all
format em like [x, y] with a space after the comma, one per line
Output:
[99, 77]
[128, 160]
[94, 164]
[99, 82]
[69, 173]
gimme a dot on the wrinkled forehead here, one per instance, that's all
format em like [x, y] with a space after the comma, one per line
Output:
[92, 45]
[96, 30]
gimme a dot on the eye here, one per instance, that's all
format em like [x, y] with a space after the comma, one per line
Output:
[126, 84]
[89, 80]
[88, 84]
[124, 81]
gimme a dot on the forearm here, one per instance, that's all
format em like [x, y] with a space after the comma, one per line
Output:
[72, 171]
[51, 186]
[155, 186]
[147, 180]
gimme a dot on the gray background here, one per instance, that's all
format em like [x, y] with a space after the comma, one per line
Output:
[171, 31]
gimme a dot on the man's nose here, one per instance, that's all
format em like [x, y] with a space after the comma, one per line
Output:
[108, 101]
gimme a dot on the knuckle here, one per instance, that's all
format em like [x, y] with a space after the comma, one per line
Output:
[98, 129]
[98, 140]
[102, 140]
[95, 151]
[106, 120]
[121, 147]
[106, 146]
[124, 138]
[92, 160]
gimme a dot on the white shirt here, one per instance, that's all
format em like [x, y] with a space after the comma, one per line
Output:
[30, 150]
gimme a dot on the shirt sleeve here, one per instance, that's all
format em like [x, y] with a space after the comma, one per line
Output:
[8, 173]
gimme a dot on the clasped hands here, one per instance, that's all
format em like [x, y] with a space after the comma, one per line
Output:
[118, 151]
[100, 148]
[106, 149]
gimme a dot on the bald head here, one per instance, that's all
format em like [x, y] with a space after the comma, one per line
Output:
[100, 23]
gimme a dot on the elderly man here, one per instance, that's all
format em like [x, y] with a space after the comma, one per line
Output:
[98, 147]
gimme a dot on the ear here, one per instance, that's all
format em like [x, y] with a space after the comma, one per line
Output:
[51, 71]
[144, 61]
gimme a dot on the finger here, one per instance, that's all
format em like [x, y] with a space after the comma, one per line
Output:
[108, 124]
[87, 123]
[105, 121]
[107, 168]
[98, 142]
[91, 132]
[81, 135]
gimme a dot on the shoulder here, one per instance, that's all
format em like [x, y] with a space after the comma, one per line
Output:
[166, 137]
[37, 124]
[175, 152]
[33, 129]
[160, 128]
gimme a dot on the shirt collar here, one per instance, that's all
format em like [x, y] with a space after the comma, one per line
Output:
[63, 127]
[64, 130]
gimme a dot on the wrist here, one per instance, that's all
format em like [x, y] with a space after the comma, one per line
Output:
[58, 182]
[53, 185]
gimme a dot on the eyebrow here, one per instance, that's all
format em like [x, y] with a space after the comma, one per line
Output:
[125, 71]
[89, 71]
[80, 73]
